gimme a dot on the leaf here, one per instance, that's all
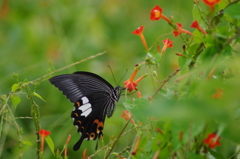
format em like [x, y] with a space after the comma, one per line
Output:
[216, 155]
[137, 107]
[37, 95]
[15, 100]
[50, 143]
[233, 11]
[15, 87]
[195, 12]
[27, 143]
[195, 156]
[183, 62]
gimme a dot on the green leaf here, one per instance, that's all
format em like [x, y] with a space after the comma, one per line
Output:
[50, 143]
[15, 87]
[27, 143]
[233, 11]
[196, 14]
[37, 95]
[15, 100]
[216, 155]
[183, 63]
[137, 106]
[195, 156]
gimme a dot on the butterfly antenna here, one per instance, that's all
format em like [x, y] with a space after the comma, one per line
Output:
[123, 75]
[112, 74]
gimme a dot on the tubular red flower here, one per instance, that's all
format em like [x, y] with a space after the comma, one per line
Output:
[197, 26]
[66, 148]
[44, 133]
[139, 94]
[127, 116]
[212, 140]
[84, 155]
[180, 30]
[211, 3]
[139, 32]
[130, 84]
[167, 43]
[218, 94]
[134, 152]
[156, 14]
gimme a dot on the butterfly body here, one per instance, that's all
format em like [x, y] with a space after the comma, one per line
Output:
[94, 99]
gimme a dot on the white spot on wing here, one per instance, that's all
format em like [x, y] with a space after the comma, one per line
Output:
[84, 100]
[87, 112]
[86, 109]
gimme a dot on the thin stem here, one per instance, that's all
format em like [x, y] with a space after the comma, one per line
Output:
[164, 83]
[115, 141]
[18, 131]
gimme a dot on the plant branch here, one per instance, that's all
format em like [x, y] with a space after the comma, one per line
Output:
[118, 138]
[49, 74]
[163, 83]
[114, 140]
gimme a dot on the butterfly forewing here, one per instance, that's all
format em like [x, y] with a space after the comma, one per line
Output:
[76, 85]
[93, 99]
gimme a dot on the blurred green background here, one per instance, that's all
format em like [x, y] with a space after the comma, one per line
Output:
[35, 33]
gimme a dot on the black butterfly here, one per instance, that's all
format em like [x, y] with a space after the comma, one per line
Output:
[93, 99]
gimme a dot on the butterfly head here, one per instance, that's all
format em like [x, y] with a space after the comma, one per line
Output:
[117, 92]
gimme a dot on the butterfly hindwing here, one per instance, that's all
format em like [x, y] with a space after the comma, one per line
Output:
[93, 99]
[89, 119]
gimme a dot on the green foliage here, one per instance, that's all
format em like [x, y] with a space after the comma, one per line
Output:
[50, 144]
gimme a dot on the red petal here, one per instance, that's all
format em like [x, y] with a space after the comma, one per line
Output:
[155, 13]
[194, 24]
[179, 25]
[211, 2]
[176, 33]
[139, 30]
[168, 42]
[44, 133]
[130, 85]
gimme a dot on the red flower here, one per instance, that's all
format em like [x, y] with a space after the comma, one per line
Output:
[139, 94]
[130, 84]
[167, 43]
[139, 31]
[44, 133]
[197, 26]
[212, 140]
[156, 14]
[134, 152]
[211, 3]
[180, 30]
[127, 116]
[218, 94]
